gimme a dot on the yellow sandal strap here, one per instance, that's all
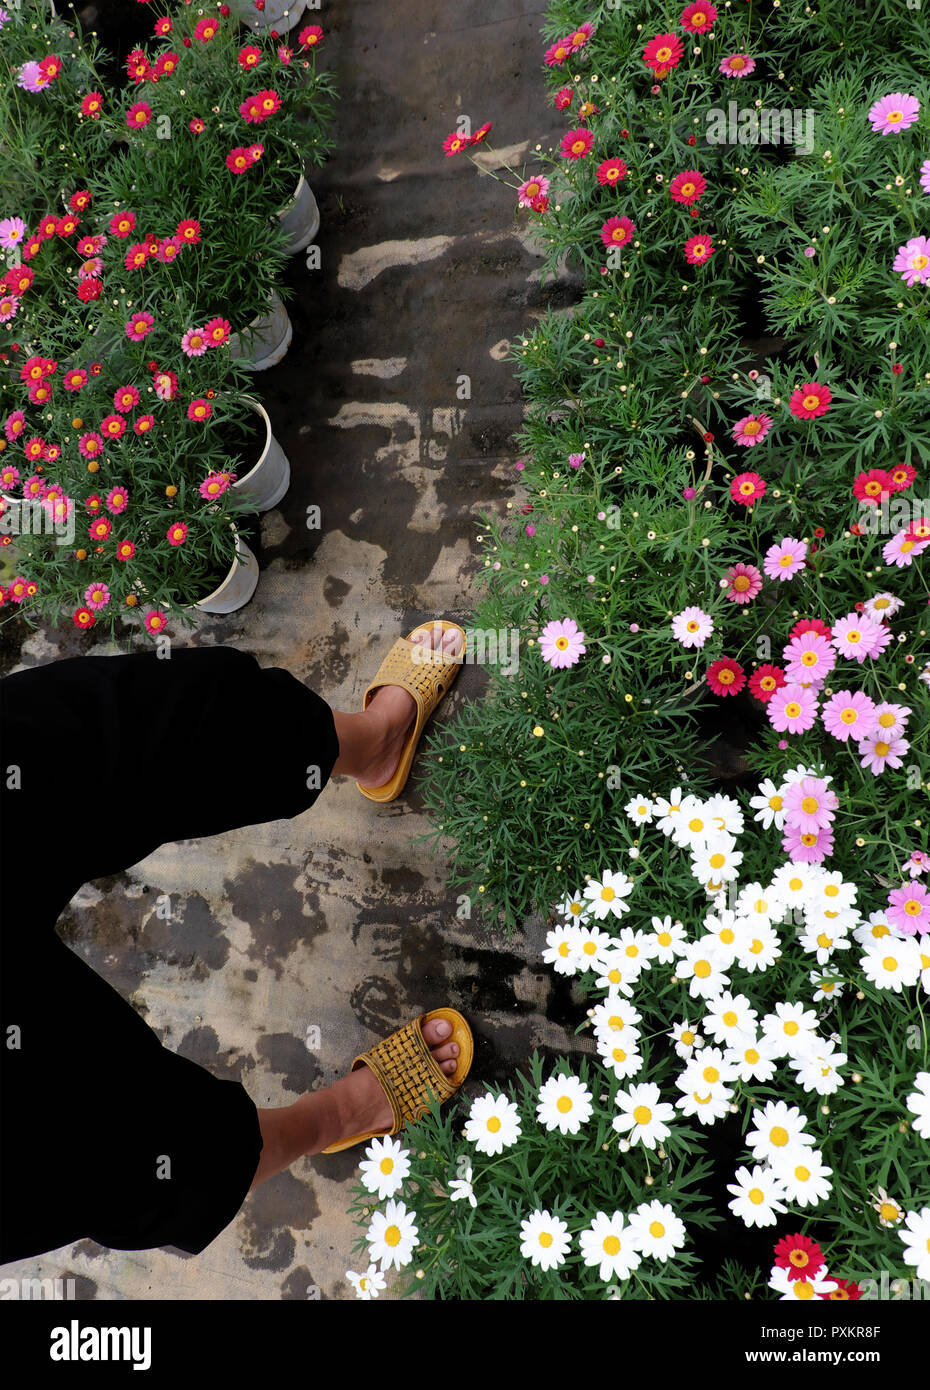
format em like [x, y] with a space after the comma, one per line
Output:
[406, 1070]
[426, 680]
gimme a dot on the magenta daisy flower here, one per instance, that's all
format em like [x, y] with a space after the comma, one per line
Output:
[743, 583]
[687, 187]
[809, 804]
[561, 643]
[809, 657]
[617, 231]
[177, 533]
[138, 326]
[530, 189]
[747, 488]
[792, 709]
[853, 636]
[849, 714]
[155, 621]
[96, 596]
[878, 752]
[9, 476]
[912, 261]
[751, 429]
[698, 18]
[215, 484]
[576, 143]
[698, 249]
[894, 113]
[785, 559]
[117, 500]
[909, 908]
[807, 846]
[737, 65]
[90, 445]
[194, 343]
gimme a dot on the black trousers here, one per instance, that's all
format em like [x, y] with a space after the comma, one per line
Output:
[103, 759]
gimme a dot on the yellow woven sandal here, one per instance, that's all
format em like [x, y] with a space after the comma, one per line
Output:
[427, 681]
[407, 1071]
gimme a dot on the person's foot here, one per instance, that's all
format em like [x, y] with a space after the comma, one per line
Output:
[396, 707]
[361, 1107]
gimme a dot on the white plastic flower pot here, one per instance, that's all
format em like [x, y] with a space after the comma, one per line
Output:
[282, 15]
[266, 483]
[300, 219]
[238, 586]
[267, 338]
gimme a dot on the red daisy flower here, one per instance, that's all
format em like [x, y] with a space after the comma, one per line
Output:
[67, 225]
[726, 676]
[249, 56]
[216, 331]
[92, 105]
[125, 550]
[687, 187]
[138, 66]
[75, 379]
[89, 288]
[611, 171]
[137, 256]
[124, 398]
[765, 680]
[563, 99]
[845, 1290]
[122, 223]
[100, 529]
[84, 617]
[698, 249]
[747, 488]
[617, 231]
[188, 231]
[80, 200]
[576, 143]
[138, 115]
[177, 533]
[206, 30]
[799, 1255]
[311, 36]
[238, 160]
[811, 625]
[868, 487]
[810, 400]
[663, 53]
[112, 426]
[196, 125]
[902, 475]
[50, 67]
[199, 409]
[163, 26]
[143, 424]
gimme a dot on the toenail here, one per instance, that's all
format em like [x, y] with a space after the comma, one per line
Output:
[442, 1027]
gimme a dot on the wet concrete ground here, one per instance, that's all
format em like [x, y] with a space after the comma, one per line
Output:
[336, 921]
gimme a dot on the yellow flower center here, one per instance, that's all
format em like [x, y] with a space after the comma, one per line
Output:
[611, 1245]
[642, 1114]
[392, 1235]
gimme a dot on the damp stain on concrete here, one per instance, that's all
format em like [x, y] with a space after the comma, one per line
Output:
[265, 897]
[271, 1214]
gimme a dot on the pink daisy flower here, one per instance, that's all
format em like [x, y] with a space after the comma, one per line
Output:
[580, 36]
[809, 804]
[530, 189]
[891, 720]
[698, 249]
[912, 261]
[853, 636]
[96, 596]
[34, 487]
[880, 638]
[809, 657]
[807, 846]
[555, 56]
[168, 249]
[698, 19]
[737, 65]
[810, 400]
[909, 908]
[177, 533]
[117, 500]
[849, 714]
[752, 429]
[561, 643]
[918, 863]
[785, 559]
[743, 583]
[894, 113]
[215, 484]
[138, 326]
[902, 549]
[9, 303]
[747, 488]
[576, 143]
[792, 709]
[112, 426]
[878, 752]
[9, 476]
[617, 231]
[155, 621]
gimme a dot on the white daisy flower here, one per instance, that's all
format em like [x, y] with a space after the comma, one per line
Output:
[730, 1018]
[832, 899]
[615, 1019]
[611, 1245]
[493, 1124]
[875, 928]
[591, 946]
[622, 1058]
[692, 826]
[923, 948]
[636, 946]
[890, 1213]
[828, 986]
[618, 972]
[882, 606]
[708, 1103]
[915, 1234]
[685, 1038]
[727, 930]
[758, 1196]
[385, 1166]
[461, 1190]
[561, 949]
[803, 1289]
[778, 1129]
[795, 774]
[574, 908]
[758, 948]
[716, 861]
[821, 941]
[367, 1285]
[794, 883]
[791, 1028]
[667, 940]
[818, 1070]
[640, 809]
[606, 896]
[754, 1059]
[892, 964]
[659, 1231]
[725, 813]
[758, 904]
[392, 1236]
[701, 963]
[710, 1068]
[564, 1103]
[545, 1240]
[805, 1176]
[769, 805]
[918, 1102]
[642, 1115]
[667, 810]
